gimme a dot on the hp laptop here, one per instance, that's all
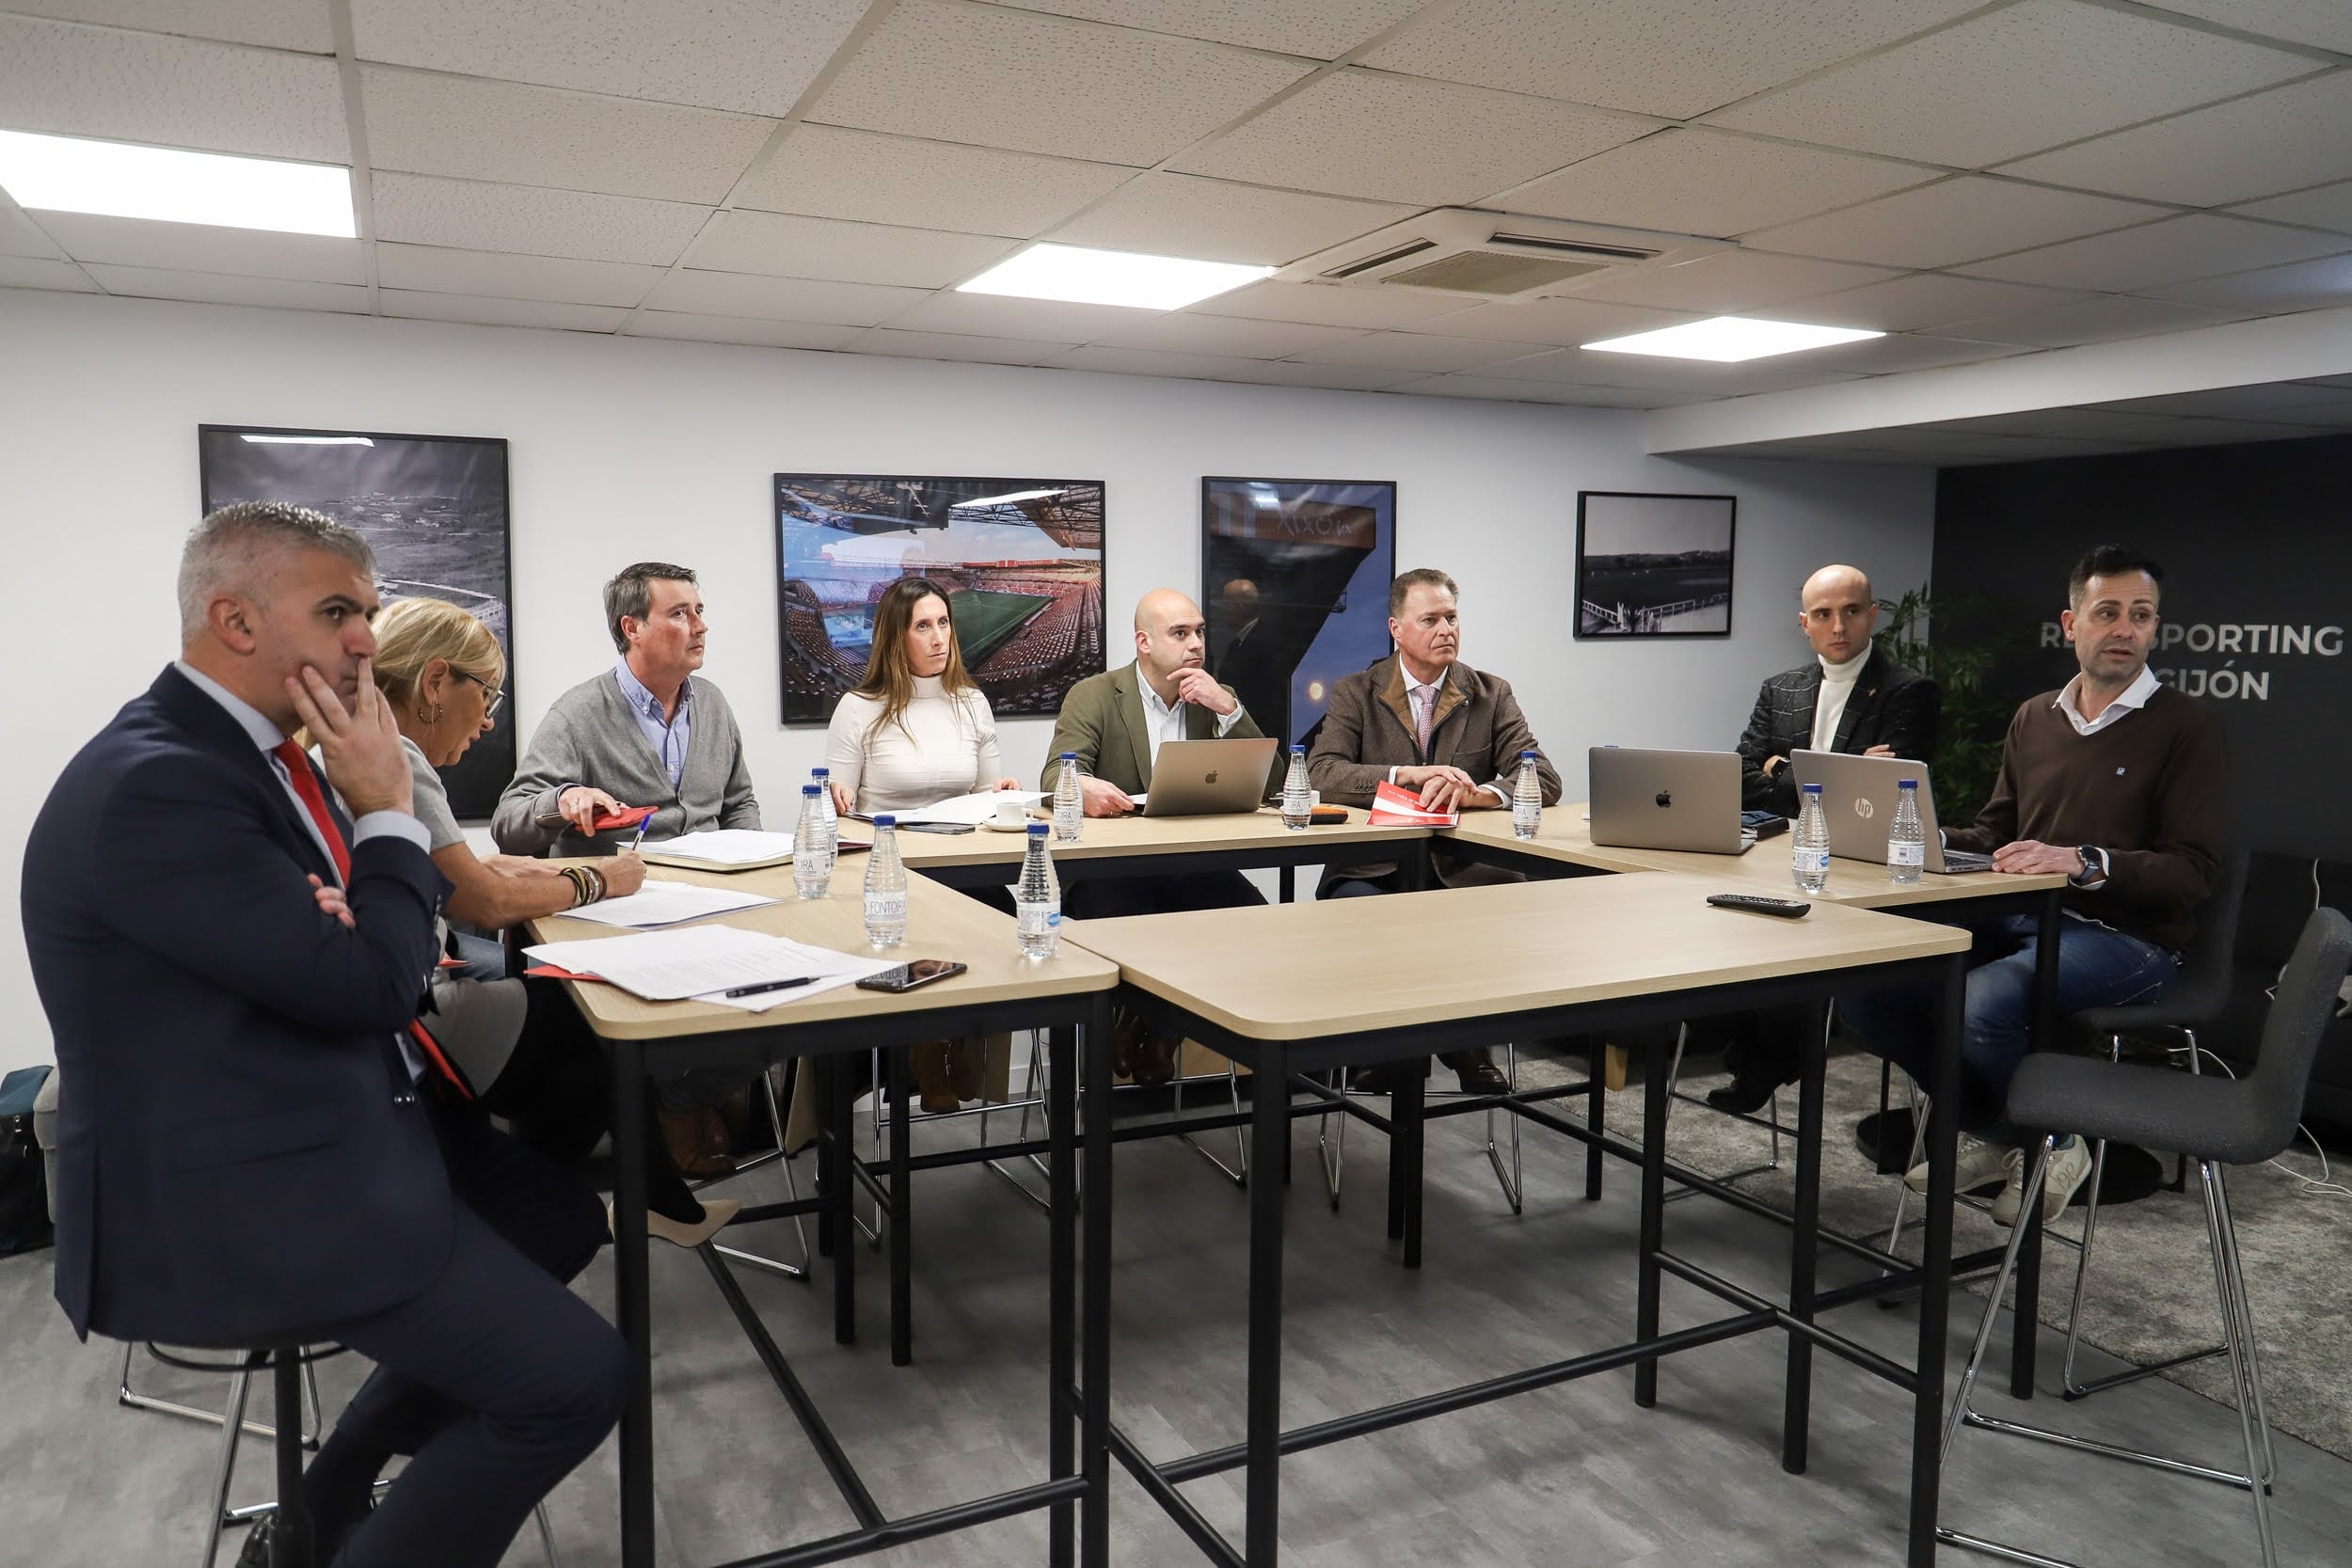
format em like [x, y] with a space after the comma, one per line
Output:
[1205, 777]
[1858, 796]
[1667, 801]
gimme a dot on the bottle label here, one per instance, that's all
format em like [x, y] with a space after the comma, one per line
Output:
[1906, 854]
[886, 905]
[1812, 861]
[1038, 920]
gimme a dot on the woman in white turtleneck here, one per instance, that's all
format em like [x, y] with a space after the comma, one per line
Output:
[918, 730]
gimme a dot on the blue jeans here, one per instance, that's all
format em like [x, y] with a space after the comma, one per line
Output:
[2097, 967]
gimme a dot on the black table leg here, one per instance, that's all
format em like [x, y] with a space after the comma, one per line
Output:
[840, 1132]
[1927, 1409]
[1649, 1277]
[2026, 1326]
[821, 1072]
[1406, 1145]
[1269, 1130]
[631, 1305]
[902, 1214]
[291, 1545]
[1595, 1115]
[1094, 1199]
[1805, 1244]
[1061, 1091]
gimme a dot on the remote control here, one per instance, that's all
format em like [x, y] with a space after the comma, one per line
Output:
[1788, 909]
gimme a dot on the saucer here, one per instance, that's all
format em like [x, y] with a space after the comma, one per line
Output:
[992, 825]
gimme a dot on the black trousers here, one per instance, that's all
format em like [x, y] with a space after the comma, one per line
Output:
[497, 1378]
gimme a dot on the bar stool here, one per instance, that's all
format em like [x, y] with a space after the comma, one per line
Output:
[2213, 1121]
[1332, 1146]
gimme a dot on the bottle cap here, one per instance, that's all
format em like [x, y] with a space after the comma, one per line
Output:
[820, 772]
[1527, 756]
[1813, 789]
[1039, 829]
[1907, 784]
[885, 822]
[1070, 756]
[1299, 751]
[810, 789]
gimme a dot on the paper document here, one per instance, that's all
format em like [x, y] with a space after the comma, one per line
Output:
[703, 961]
[723, 849]
[1393, 806]
[667, 904]
[971, 809]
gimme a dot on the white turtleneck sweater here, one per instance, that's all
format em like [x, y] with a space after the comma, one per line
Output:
[946, 747]
[1837, 684]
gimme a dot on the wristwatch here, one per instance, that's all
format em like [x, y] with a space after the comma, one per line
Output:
[2094, 870]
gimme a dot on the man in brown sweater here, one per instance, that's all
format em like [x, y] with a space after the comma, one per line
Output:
[2117, 782]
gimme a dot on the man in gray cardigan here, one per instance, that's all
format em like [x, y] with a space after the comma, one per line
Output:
[649, 733]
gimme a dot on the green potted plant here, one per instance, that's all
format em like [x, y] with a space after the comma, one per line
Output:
[1937, 635]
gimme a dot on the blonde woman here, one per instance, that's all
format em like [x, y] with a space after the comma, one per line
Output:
[918, 730]
[522, 1044]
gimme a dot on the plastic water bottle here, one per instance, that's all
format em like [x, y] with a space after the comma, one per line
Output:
[1069, 804]
[1298, 801]
[1906, 840]
[885, 887]
[812, 866]
[1808, 846]
[1037, 901]
[829, 814]
[1527, 799]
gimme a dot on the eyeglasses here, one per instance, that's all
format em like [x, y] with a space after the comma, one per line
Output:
[494, 696]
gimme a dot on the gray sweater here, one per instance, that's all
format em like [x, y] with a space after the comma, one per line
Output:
[591, 738]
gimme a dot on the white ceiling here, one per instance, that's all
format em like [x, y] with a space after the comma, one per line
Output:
[1983, 180]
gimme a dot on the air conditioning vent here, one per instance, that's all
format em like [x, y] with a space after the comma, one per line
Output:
[1494, 256]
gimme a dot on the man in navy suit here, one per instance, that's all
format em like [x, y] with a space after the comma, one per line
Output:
[254, 1143]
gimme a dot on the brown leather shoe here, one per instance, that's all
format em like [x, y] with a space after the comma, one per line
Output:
[1126, 1041]
[1477, 1070]
[697, 1142]
[934, 1076]
[1154, 1060]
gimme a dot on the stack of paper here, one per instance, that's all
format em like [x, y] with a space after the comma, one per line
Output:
[703, 962]
[667, 904]
[723, 849]
[970, 810]
[1395, 807]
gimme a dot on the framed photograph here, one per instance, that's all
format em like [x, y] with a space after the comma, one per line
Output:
[1022, 560]
[1294, 576]
[431, 507]
[1653, 566]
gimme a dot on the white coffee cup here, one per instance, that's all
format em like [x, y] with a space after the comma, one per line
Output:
[1012, 813]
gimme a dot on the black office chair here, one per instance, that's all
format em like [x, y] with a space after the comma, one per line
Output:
[2195, 999]
[2213, 1121]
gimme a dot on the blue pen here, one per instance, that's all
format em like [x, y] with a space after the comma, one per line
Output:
[643, 823]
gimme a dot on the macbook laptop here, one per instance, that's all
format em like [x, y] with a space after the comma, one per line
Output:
[1858, 797]
[1667, 801]
[1205, 777]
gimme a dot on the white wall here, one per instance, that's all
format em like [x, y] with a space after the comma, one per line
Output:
[622, 449]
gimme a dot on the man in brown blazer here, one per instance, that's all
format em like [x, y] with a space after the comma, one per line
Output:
[1426, 721]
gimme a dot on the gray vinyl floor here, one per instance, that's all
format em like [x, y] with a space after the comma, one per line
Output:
[1572, 1476]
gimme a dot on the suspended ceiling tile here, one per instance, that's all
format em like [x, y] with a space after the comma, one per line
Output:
[202, 248]
[1675, 58]
[214, 288]
[739, 329]
[2268, 400]
[1148, 361]
[955, 346]
[788, 246]
[1734, 280]
[22, 236]
[2091, 422]
[2223, 433]
[2316, 285]
[1425, 352]
[1638, 371]
[1962, 219]
[77, 81]
[1697, 181]
[830, 171]
[2200, 244]
[1563, 322]
[1332, 378]
[1319, 29]
[2100, 318]
[751, 56]
[2328, 207]
[502, 275]
[501, 312]
[1483, 387]
[1331, 304]
[40, 272]
[1045, 84]
[2013, 82]
[791, 299]
[1564, 366]
[1899, 351]
[475, 128]
[1003, 316]
[297, 25]
[2324, 23]
[2279, 140]
[471, 214]
[1235, 336]
[1180, 214]
[1399, 138]
[1924, 301]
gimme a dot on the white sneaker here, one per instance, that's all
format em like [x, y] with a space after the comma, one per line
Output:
[2068, 1168]
[1977, 1165]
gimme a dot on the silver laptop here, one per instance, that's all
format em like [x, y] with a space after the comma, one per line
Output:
[1858, 797]
[1206, 778]
[1667, 801]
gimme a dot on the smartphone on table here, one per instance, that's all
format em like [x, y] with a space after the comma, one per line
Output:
[906, 977]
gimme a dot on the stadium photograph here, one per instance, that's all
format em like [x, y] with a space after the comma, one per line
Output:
[1022, 560]
[1653, 566]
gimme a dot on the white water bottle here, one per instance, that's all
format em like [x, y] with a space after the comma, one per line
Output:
[1069, 806]
[829, 813]
[885, 887]
[1527, 799]
[1037, 901]
[1906, 839]
[1298, 801]
[812, 867]
[1808, 845]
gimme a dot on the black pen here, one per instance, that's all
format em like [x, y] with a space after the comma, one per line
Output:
[771, 985]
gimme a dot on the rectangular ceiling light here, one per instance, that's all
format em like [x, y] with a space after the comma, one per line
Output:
[1730, 340]
[68, 174]
[1084, 276]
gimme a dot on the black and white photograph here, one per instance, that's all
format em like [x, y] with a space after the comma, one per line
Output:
[434, 510]
[1653, 566]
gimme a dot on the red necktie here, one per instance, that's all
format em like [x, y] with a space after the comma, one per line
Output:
[306, 785]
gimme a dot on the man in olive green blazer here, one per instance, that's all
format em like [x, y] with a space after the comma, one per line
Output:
[1115, 722]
